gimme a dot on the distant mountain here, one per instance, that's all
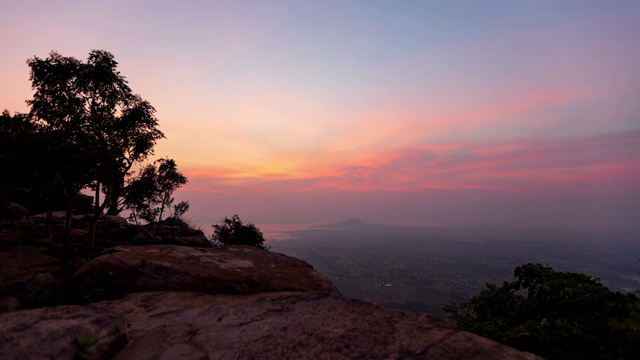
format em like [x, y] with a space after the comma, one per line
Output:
[348, 224]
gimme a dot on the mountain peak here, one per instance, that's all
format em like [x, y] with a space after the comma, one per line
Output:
[351, 223]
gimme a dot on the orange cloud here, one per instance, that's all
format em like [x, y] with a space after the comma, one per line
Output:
[509, 166]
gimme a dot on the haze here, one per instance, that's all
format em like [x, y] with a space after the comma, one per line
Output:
[423, 113]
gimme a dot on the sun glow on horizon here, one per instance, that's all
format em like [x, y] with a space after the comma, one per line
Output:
[382, 108]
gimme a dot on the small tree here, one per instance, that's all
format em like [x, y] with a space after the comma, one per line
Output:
[140, 196]
[233, 232]
[169, 180]
[150, 193]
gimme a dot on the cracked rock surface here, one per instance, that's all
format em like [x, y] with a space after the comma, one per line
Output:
[173, 302]
[289, 325]
[62, 332]
[232, 270]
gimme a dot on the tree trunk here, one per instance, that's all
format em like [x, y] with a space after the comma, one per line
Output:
[67, 227]
[47, 224]
[97, 211]
[160, 218]
[114, 206]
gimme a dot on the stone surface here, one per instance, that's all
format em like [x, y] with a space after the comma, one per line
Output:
[8, 302]
[63, 332]
[230, 270]
[146, 238]
[36, 290]
[203, 303]
[289, 325]
[193, 241]
[20, 262]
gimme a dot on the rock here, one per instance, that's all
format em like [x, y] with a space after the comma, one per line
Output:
[230, 270]
[82, 225]
[310, 325]
[167, 230]
[77, 236]
[21, 262]
[8, 239]
[75, 263]
[54, 215]
[111, 220]
[36, 290]
[145, 237]
[193, 241]
[55, 229]
[8, 302]
[111, 225]
[63, 332]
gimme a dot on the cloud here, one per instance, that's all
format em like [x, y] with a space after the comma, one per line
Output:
[576, 164]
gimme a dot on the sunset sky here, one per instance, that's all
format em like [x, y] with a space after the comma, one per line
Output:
[523, 113]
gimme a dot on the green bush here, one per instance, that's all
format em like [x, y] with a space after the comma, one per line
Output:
[232, 231]
[558, 315]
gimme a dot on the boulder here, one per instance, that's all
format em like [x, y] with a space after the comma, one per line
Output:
[112, 220]
[63, 332]
[167, 230]
[294, 325]
[82, 225]
[36, 290]
[59, 215]
[55, 229]
[8, 239]
[8, 302]
[193, 241]
[230, 270]
[78, 236]
[146, 237]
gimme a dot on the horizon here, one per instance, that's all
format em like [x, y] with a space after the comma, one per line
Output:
[507, 114]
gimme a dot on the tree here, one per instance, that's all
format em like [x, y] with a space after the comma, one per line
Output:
[89, 109]
[141, 194]
[151, 192]
[233, 232]
[169, 180]
[18, 151]
[559, 315]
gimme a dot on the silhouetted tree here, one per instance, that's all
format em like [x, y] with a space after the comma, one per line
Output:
[169, 180]
[140, 193]
[233, 232]
[150, 193]
[89, 109]
[17, 155]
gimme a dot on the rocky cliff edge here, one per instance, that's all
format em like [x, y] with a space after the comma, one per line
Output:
[175, 302]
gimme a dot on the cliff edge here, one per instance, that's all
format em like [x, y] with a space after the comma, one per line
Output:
[176, 302]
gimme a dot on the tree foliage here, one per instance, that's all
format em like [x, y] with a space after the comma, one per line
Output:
[151, 193]
[97, 127]
[232, 231]
[18, 153]
[38, 169]
[559, 315]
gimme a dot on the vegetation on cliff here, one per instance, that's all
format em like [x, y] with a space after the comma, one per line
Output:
[559, 315]
[232, 231]
[86, 129]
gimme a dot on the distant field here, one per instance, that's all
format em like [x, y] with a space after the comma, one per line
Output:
[422, 269]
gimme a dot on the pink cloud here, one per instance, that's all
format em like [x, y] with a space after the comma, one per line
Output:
[604, 160]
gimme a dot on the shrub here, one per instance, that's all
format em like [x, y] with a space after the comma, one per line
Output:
[558, 315]
[233, 232]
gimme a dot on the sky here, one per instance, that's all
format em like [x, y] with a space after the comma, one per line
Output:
[510, 113]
